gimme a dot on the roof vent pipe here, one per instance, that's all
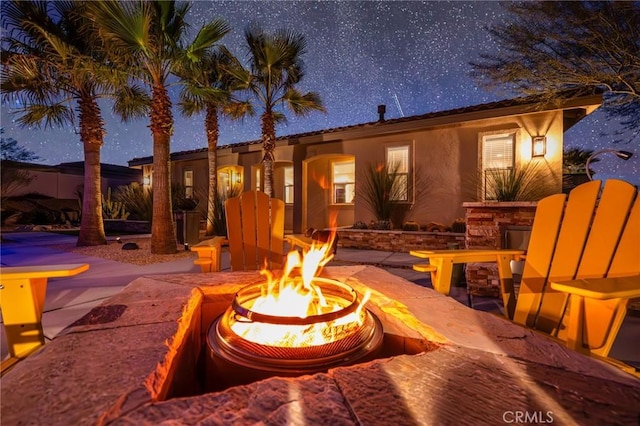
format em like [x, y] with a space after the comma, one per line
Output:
[381, 110]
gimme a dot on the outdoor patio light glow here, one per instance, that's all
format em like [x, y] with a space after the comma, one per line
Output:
[539, 146]
[625, 155]
[146, 180]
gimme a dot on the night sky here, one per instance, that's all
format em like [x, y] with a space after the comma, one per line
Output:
[411, 56]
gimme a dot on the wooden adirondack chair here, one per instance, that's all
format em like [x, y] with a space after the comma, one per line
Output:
[591, 234]
[255, 224]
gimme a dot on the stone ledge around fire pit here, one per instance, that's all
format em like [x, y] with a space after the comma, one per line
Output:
[478, 366]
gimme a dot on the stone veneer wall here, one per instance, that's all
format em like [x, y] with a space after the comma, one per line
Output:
[486, 223]
[398, 241]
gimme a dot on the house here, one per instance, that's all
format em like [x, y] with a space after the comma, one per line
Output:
[442, 157]
[65, 180]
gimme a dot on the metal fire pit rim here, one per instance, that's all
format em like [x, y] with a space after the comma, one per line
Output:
[286, 320]
[368, 348]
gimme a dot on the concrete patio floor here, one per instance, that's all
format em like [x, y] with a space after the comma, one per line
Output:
[68, 299]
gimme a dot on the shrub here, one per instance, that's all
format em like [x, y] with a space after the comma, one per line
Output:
[411, 226]
[360, 225]
[381, 225]
[137, 200]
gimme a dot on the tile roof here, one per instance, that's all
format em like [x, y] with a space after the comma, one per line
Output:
[531, 100]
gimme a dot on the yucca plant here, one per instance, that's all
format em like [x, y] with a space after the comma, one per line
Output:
[220, 217]
[380, 189]
[517, 184]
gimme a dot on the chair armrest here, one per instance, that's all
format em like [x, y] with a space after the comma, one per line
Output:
[602, 288]
[42, 271]
[298, 240]
[209, 254]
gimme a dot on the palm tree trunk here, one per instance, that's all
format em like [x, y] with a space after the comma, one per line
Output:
[268, 146]
[163, 236]
[91, 135]
[211, 124]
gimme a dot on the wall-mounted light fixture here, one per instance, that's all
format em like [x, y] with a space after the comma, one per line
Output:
[538, 146]
[146, 180]
[624, 155]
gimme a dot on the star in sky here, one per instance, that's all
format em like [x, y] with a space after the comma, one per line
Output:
[411, 56]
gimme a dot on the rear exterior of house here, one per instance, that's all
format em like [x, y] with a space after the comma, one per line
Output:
[442, 159]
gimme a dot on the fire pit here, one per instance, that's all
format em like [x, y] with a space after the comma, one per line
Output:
[293, 325]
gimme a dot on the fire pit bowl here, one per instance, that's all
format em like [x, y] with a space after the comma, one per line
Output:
[261, 344]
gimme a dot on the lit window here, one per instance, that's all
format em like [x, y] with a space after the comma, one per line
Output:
[188, 183]
[398, 162]
[344, 177]
[258, 181]
[497, 151]
[288, 184]
[224, 181]
[497, 156]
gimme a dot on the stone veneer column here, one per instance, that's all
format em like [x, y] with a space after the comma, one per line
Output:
[486, 223]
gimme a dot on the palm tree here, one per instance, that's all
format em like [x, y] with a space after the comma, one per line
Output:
[147, 38]
[47, 65]
[209, 86]
[276, 68]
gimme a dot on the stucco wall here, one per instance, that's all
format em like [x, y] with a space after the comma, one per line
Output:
[445, 159]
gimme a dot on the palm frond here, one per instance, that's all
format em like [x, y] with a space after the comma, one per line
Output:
[303, 104]
[50, 115]
[208, 35]
[131, 102]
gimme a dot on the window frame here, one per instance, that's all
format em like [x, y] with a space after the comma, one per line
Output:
[406, 174]
[334, 184]
[288, 185]
[188, 189]
[485, 168]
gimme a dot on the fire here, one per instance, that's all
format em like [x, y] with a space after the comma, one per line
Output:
[296, 294]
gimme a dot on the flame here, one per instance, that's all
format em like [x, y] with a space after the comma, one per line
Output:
[294, 294]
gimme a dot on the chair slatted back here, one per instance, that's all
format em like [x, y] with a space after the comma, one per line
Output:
[586, 236]
[255, 227]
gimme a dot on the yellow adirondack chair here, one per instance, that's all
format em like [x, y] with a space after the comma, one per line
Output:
[590, 235]
[576, 241]
[22, 295]
[255, 224]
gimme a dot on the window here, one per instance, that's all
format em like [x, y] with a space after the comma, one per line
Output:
[497, 156]
[497, 151]
[288, 184]
[344, 177]
[398, 162]
[230, 180]
[224, 181]
[188, 183]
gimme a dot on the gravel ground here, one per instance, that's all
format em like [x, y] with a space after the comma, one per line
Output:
[113, 251]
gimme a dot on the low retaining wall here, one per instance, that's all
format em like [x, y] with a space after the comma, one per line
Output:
[398, 241]
[129, 226]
